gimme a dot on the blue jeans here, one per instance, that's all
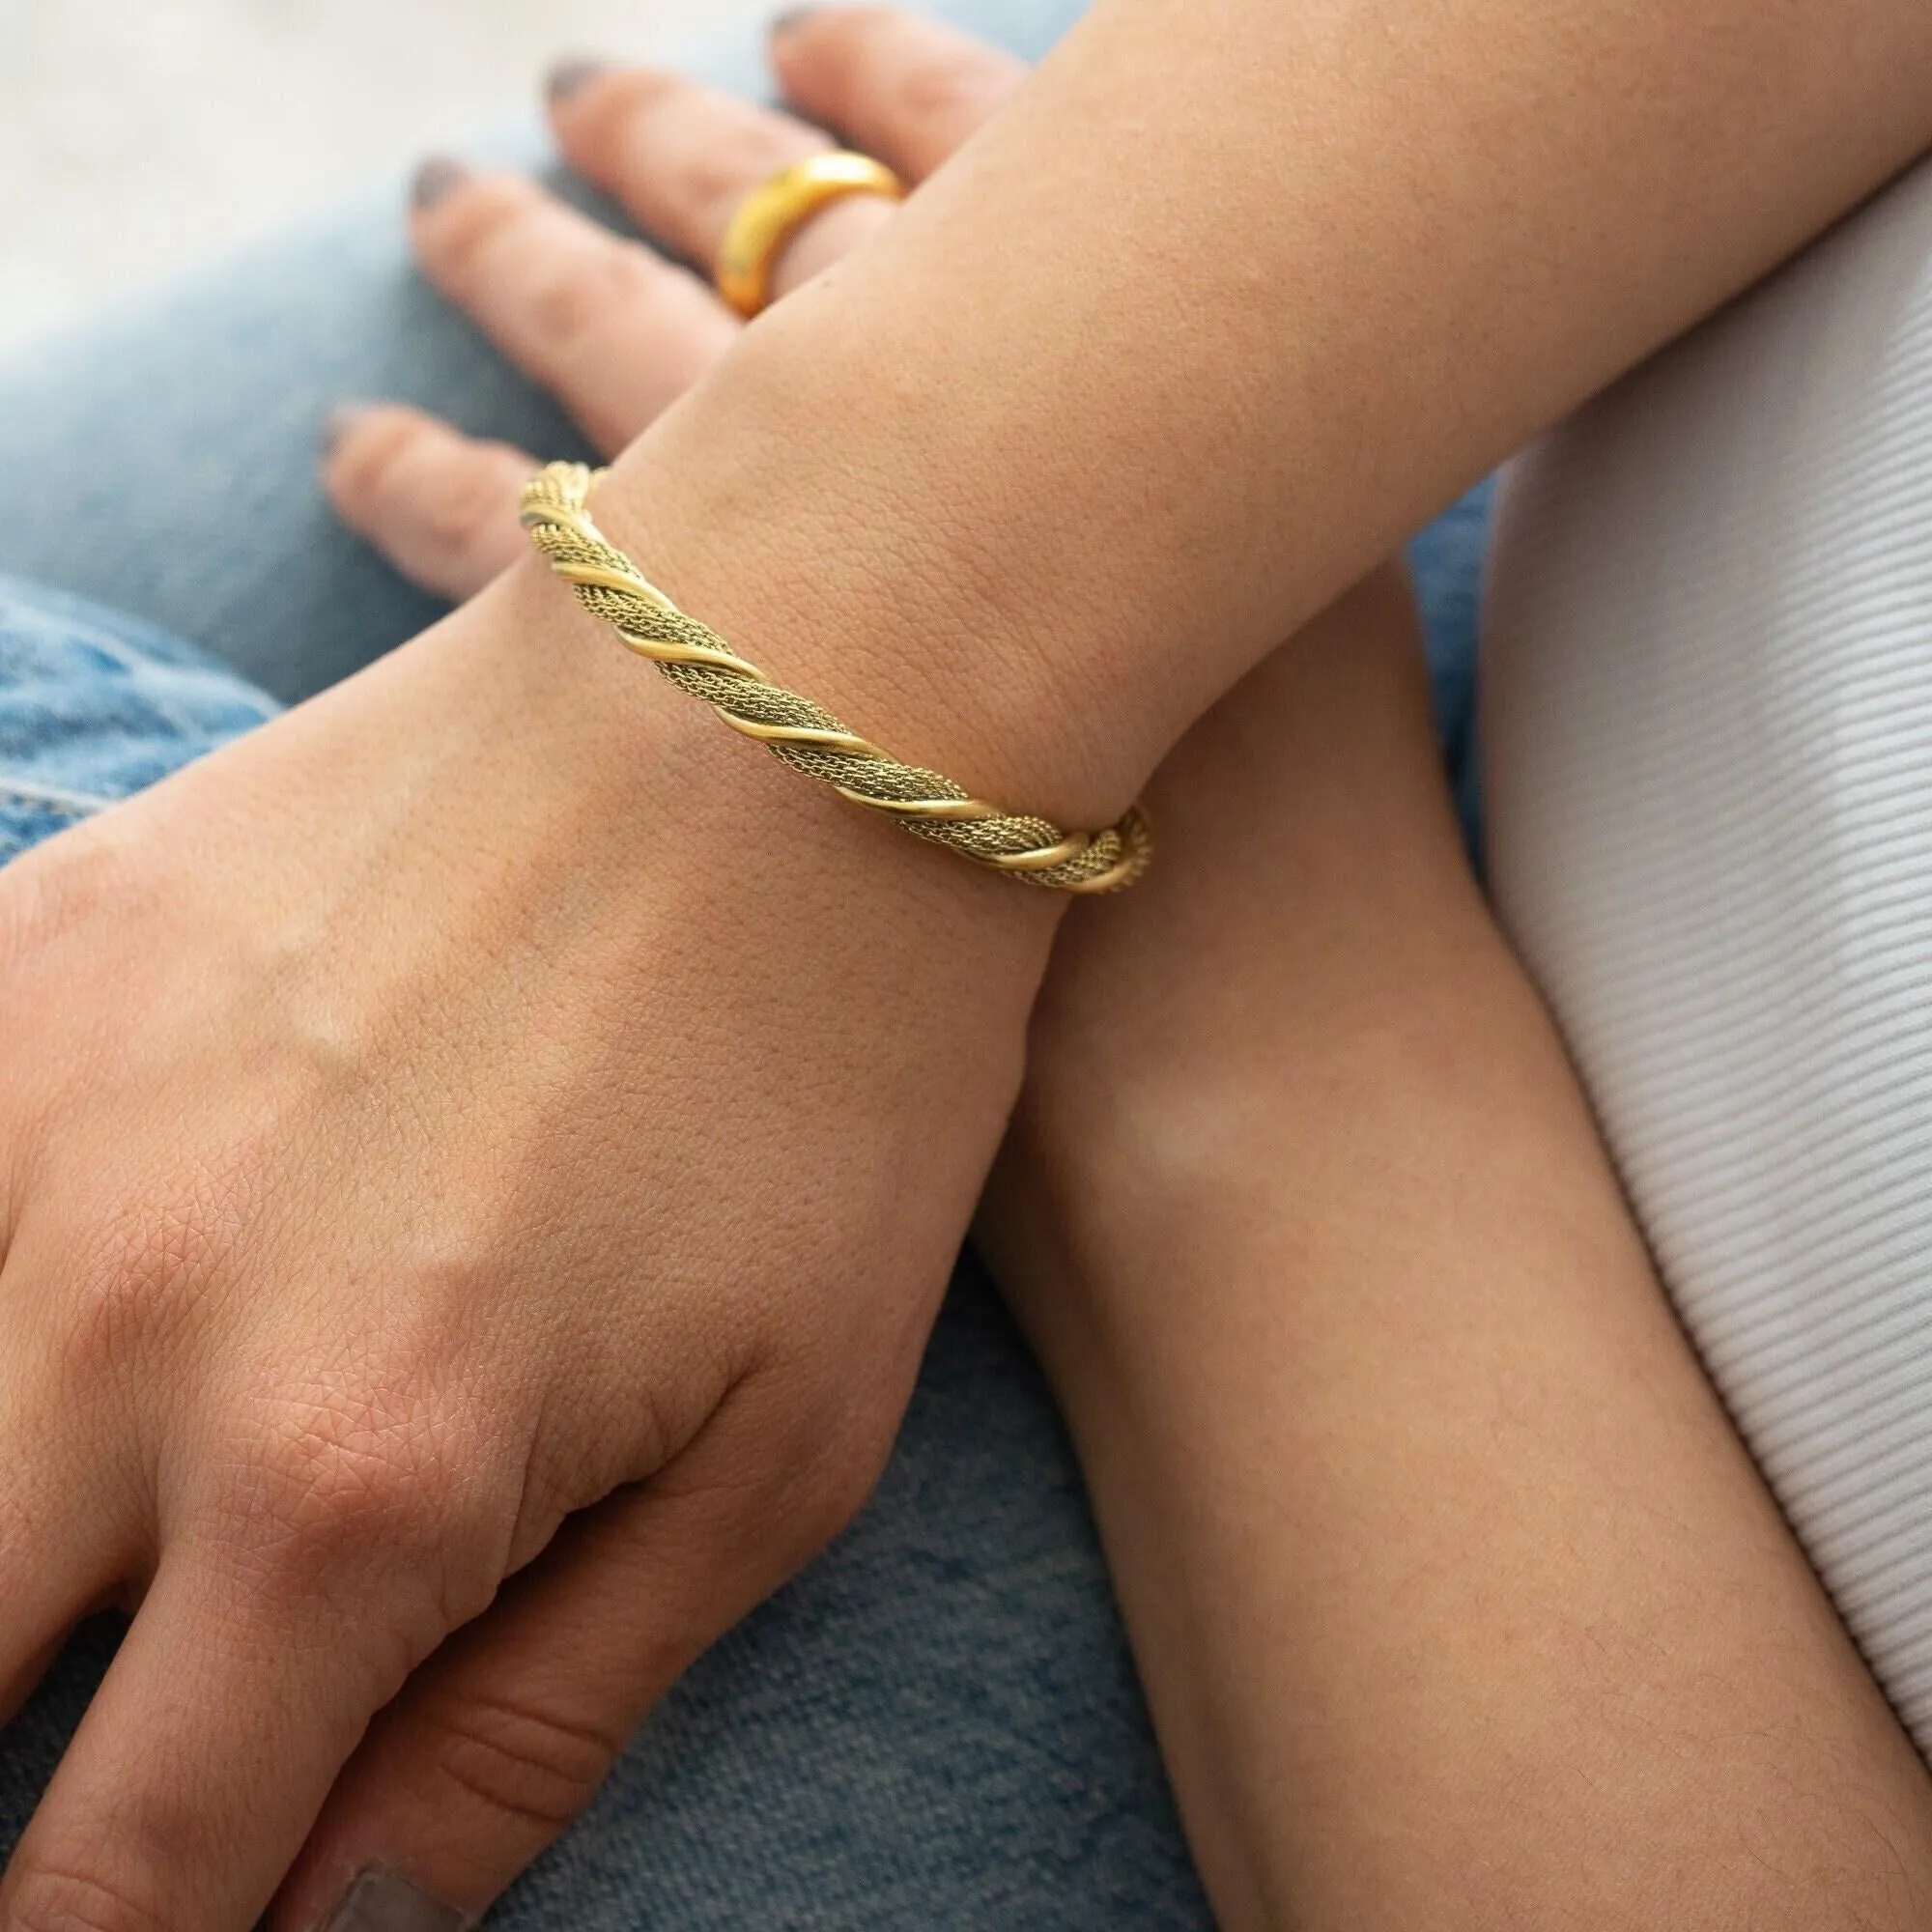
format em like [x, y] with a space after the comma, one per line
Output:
[938, 1723]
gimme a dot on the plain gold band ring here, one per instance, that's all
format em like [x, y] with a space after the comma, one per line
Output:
[776, 210]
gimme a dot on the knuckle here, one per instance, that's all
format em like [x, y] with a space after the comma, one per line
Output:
[796, 1463]
[57, 891]
[811, 1432]
[524, 1763]
[845, 1481]
[828, 1484]
[474, 499]
[45, 897]
[335, 1462]
[847, 28]
[635, 92]
[600, 116]
[614, 279]
[619, 1434]
[944, 89]
[461, 237]
[53, 1898]
[29, 910]
[819, 56]
[326, 1487]
[153, 1269]
[716, 173]
[372, 455]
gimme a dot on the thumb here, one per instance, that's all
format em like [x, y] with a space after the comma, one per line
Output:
[502, 1737]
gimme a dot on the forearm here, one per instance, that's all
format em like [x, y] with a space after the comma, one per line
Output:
[1229, 298]
[1458, 1602]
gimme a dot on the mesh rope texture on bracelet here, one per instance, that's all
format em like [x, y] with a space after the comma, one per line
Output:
[804, 735]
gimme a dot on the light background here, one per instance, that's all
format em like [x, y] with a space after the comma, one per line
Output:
[138, 136]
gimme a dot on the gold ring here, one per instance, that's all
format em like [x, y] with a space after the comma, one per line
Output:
[776, 210]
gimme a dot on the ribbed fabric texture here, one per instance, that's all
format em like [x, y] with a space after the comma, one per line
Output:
[1707, 724]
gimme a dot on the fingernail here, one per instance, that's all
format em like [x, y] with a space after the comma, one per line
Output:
[379, 1902]
[339, 422]
[781, 24]
[436, 178]
[569, 76]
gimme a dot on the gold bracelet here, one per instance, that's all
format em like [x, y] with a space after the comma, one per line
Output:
[804, 736]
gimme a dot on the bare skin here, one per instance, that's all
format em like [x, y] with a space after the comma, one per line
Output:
[1453, 1591]
[345, 1277]
[1458, 1602]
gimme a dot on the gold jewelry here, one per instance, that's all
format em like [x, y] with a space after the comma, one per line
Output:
[776, 210]
[801, 733]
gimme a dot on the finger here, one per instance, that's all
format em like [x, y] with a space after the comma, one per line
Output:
[440, 505]
[264, 1644]
[165, 1814]
[893, 83]
[66, 1537]
[45, 1589]
[504, 1735]
[611, 329]
[680, 158]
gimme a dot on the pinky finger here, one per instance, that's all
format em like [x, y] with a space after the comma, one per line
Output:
[441, 506]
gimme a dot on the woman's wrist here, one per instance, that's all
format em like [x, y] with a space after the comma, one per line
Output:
[1024, 498]
[771, 503]
[651, 768]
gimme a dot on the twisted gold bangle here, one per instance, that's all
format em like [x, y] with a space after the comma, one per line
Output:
[801, 733]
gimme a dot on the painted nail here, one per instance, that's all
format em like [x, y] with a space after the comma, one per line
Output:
[436, 176]
[570, 76]
[379, 1902]
[339, 422]
[781, 24]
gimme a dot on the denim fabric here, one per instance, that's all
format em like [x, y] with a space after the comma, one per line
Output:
[1445, 562]
[938, 1724]
[94, 705]
[183, 423]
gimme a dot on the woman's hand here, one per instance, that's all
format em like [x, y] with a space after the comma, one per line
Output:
[486, 1125]
[616, 330]
[490, 1089]
[479, 1096]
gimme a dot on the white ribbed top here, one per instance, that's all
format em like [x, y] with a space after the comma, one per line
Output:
[1708, 738]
